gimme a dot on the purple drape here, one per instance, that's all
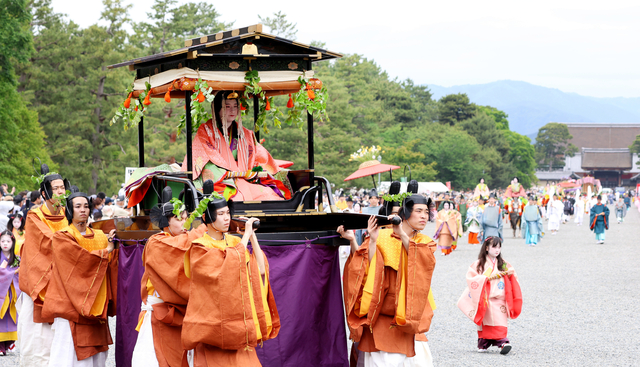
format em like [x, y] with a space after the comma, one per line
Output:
[130, 272]
[306, 285]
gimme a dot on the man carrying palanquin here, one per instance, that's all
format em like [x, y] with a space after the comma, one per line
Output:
[34, 332]
[387, 283]
[231, 307]
[83, 287]
[164, 286]
[227, 153]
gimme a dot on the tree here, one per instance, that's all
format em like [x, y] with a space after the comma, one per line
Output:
[280, 26]
[454, 108]
[21, 138]
[500, 117]
[523, 156]
[552, 144]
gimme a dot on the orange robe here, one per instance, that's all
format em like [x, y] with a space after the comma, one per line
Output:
[386, 300]
[449, 229]
[36, 258]
[83, 288]
[164, 274]
[231, 307]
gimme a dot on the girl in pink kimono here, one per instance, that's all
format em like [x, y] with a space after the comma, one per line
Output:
[492, 296]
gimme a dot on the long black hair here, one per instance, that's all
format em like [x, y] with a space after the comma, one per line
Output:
[10, 226]
[12, 255]
[482, 256]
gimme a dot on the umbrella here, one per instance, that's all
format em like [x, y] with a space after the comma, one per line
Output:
[370, 168]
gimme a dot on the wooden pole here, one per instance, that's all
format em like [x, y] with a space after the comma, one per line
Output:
[187, 99]
[256, 107]
[141, 142]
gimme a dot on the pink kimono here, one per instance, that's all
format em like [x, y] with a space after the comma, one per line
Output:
[489, 303]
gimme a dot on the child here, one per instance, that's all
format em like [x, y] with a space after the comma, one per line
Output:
[10, 290]
[16, 226]
[474, 215]
[493, 295]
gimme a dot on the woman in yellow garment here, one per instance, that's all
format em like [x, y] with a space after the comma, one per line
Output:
[10, 290]
[231, 307]
[16, 226]
[82, 290]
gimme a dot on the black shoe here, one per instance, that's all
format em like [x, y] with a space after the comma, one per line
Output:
[505, 349]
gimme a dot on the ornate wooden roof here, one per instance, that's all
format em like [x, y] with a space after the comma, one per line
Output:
[223, 52]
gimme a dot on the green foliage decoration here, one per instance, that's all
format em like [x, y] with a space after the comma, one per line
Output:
[202, 207]
[397, 198]
[199, 114]
[178, 206]
[132, 110]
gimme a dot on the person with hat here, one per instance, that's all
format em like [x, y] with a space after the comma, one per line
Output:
[599, 220]
[231, 307]
[34, 332]
[491, 219]
[387, 288]
[82, 288]
[228, 153]
[164, 285]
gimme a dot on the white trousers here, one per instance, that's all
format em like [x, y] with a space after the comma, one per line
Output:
[34, 339]
[383, 359]
[144, 353]
[63, 354]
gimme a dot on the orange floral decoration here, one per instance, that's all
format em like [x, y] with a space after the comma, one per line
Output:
[200, 97]
[127, 102]
[147, 99]
[311, 94]
[268, 108]
[290, 102]
[167, 96]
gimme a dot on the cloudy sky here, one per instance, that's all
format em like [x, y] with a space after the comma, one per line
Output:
[586, 47]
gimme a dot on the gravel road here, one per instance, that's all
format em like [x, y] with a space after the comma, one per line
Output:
[580, 301]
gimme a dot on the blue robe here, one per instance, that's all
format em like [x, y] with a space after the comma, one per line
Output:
[532, 232]
[491, 222]
[601, 222]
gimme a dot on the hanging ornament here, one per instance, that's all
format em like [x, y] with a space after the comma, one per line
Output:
[127, 102]
[242, 107]
[147, 99]
[200, 97]
[167, 96]
[311, 94]
[268, 108]
[290, 102]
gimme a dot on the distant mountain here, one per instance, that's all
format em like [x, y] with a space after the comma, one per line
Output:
[531, 106]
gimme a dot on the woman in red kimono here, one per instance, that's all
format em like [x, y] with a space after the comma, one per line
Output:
[492, 296]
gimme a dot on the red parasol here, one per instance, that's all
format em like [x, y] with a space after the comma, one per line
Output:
[370, 168]
[283, 164]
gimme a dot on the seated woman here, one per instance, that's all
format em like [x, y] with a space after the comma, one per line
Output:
[228, 154]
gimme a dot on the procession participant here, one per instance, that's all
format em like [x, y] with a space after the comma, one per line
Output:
[16, 226]
[515, 189]
[164, 286]
[492, 296]
[555, 208]
[10, 291]
[532, 223]
[482, 190]
[387, 285]
[621, 210]
[580, 209]
[448, 228]
[229, 154]
[83, 287]
[474, 216]
[491, 219]
[599, 220]
[231, 308]
[515, 216]
[463, 208]
[34, 332]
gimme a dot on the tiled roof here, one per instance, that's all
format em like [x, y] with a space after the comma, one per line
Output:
[603, 135]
